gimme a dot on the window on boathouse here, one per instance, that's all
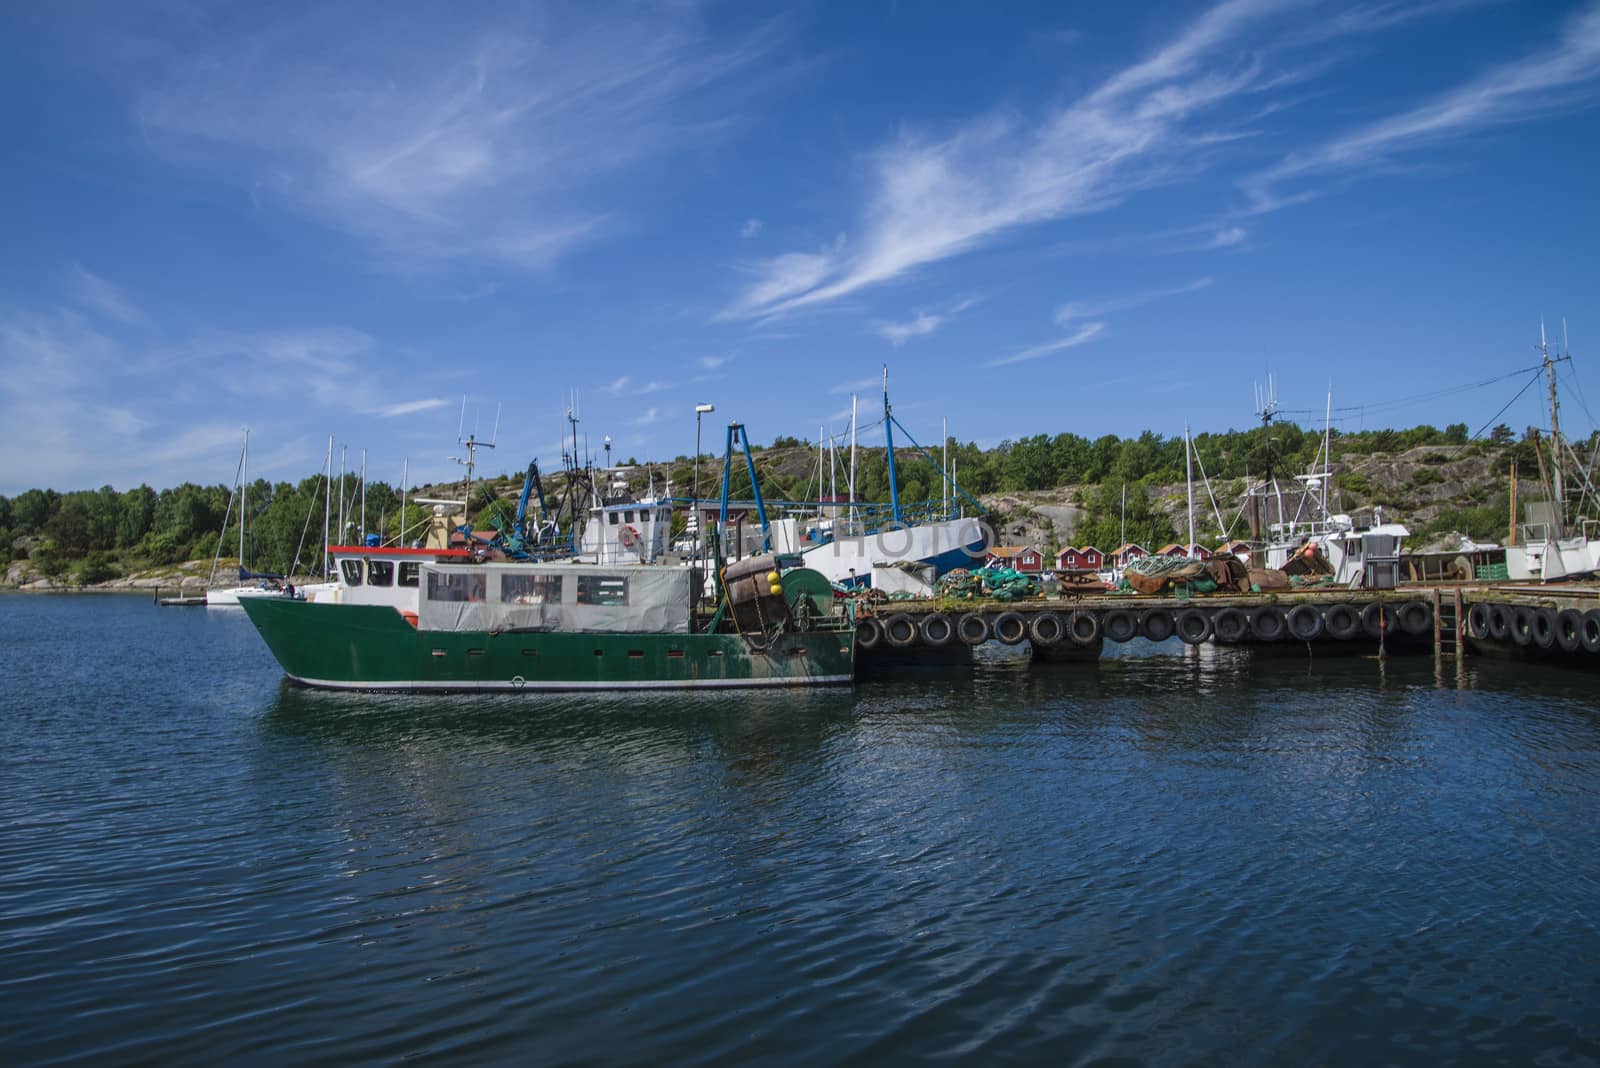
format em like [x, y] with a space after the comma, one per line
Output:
[530, 589]
[352, 572]
[603, 589]
[380, 572]
[455, 586]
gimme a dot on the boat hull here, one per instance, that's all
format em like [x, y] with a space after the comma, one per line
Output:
[372, 647]
[946, 545]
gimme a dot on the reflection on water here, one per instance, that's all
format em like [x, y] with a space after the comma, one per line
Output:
[1162, 856]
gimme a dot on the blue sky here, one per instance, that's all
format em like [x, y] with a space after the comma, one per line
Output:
[341, 219]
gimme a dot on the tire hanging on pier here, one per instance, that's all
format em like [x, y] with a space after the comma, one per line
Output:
[1010, 628]
[1415, 618]
[1375, 619]
[1231, 625]
[1478, 621]
[1522, 625]
[1193, 625]
[1569, 630]
[1269, 623]
[1589, 635]
[1084, 628]
[1305, 623]
[1542, 628]
[1341, 621]
[869, 633]
[1500, 622]
[1156, 625]
[937, 630]
[1046, 629]
[1120, 625]
[900, 631]
[972, 629]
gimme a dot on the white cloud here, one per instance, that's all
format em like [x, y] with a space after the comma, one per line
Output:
[616, 386]
[713, 363]
[653, 387]
[650, 416]
[1085, 333]
[937, 197]
[409, 407]
[436, 136]
[857, 386]
[1093, 309]
[1549, 80]
[921, 325]
[1228, 237]
[102, 297]
[750, 229]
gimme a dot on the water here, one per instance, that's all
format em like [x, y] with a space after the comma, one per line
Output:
[1157, 860]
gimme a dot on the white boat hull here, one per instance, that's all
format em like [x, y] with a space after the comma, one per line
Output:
[946, 545]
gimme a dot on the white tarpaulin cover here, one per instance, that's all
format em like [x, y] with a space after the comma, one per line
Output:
[649, 598]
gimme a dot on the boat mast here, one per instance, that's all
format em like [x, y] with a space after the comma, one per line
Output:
[1327, 453]
[888, 443]
[405, 476]
[363, 496]
[852, 462]
[244, 483]
[945, 464]
[1188, 466]
[1555, 434]
[343, 449]
[327, 507]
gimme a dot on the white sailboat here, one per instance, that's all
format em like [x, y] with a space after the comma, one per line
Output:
[250, 585]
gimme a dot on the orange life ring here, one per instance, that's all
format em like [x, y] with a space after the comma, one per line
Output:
[627, 536]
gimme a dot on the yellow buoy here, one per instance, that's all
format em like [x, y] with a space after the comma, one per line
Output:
[772, 577]
[777, 590]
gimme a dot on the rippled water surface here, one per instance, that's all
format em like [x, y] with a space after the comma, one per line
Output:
[1158, 859]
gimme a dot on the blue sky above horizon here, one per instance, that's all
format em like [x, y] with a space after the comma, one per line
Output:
[320, 220]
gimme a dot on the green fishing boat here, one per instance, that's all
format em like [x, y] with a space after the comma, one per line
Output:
[442, 624]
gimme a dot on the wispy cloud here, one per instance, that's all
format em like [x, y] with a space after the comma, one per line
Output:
[856, 386]
[616, 385]
[1093, 309]
[750, 229]
[1543, 82]
[937, 197]
[653, 387]
[439, 137]
[650, 416]
[102, 297]
[1084, 334]
[713, 363]
[898, 334]
[411, 407]
[1227, 237]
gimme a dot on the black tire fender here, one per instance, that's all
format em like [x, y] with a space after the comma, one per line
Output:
[1120, 625]
[972, 629]
[1542, 628]
[1156, 625]
[1046, 628]
[1478, 621]
[1500, 622]
[1269, 623]
[1341, 621]
[900, 630]
[1589, 634]
[1415, 618]
[1569, 630]
[1522, 625]
[1084, 628]
[1193, 626]
[1305, 623]
[869, 633]
[937, 630]
[1010, 628]
[1230, 625]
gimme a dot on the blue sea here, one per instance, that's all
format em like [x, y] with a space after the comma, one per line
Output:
[1163, 858]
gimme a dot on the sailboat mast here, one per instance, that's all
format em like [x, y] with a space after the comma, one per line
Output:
[852, 461]
[1188, 466]
[1327, 453]
[343, 449]
[363, 496]
[888, 444]
[1555, 431]
[945, 464]
[405, 476]
[327, 506]
[244, 483]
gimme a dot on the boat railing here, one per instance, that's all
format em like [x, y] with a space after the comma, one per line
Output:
[864, 520]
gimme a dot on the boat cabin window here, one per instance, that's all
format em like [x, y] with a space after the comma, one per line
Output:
[352, 572]
[603, 589]
[614, 517]
[410, 570]
[530, 589]
[627, 517]
[380, 572]
[454, 586]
